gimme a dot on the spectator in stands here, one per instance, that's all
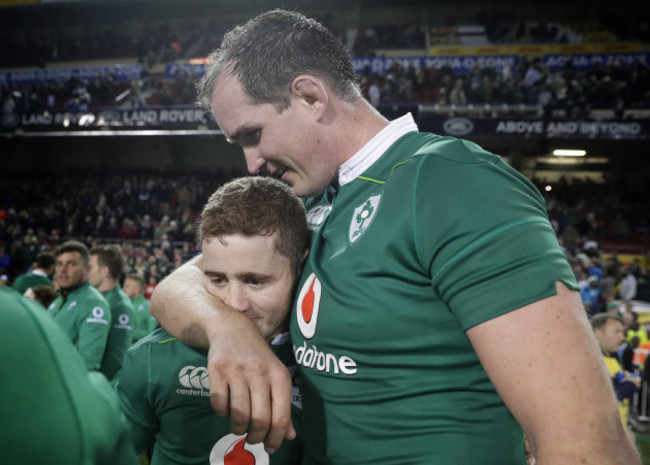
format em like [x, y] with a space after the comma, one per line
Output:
[144, 323]
[152, 282]
[80, 310]
[609, 332]
[40, 275]
[633, 328]
[457, 94]
[5, 260]
[591, 295]
[595, 269]
[106, 266]
[628, 285]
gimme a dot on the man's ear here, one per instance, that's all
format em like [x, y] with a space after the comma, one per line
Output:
[304, 257]
[311, 92]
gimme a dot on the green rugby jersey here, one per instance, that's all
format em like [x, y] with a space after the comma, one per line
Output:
[85, 316]
[144, 323]
[53, 410]
[434, 237]
[120, 336]
[164, 392]
[24, 282]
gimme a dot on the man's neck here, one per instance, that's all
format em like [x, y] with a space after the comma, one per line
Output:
[107, 285]
[359, 123]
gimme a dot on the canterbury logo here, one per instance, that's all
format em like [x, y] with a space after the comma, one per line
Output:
[308, 306]
[234, 450]
[194, 377]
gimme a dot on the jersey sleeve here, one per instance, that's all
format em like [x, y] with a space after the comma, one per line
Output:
[486, 240]
[94, 328]
[135, 400]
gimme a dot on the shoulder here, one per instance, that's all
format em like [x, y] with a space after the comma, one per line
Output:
[122, 301]
[91, 295]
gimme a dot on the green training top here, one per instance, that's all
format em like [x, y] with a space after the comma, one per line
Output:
[53, 410]
[120, 336]
[164, 391]
[24, 282]
[144, 322]
[85, 317]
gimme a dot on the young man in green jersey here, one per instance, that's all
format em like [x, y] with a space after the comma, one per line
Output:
[133, 287]
[80, 310]
[53, 409]
[433, 293]
[106, 265]
[254, 236]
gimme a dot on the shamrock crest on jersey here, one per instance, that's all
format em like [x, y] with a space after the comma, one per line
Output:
[363, 216]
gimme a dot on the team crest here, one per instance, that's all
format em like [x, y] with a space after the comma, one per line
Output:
[363, 216]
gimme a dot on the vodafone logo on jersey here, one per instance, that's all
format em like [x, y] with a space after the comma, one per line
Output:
[233, 450]
[308, 306]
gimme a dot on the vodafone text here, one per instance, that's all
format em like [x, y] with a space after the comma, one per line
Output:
[310, 357]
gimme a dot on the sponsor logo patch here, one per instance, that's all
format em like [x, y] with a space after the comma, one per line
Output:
[194, 380]
[309, 306]
[234, 450]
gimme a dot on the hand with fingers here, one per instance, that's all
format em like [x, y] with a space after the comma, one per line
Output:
[249, 384]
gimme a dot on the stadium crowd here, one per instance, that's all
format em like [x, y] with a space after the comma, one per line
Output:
[153, 215]
[617, 87]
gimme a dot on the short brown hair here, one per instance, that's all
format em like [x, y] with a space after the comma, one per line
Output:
[599, 320]
[258, 206]
[110, 255]
[74, 246]
[45, 260]
[45, 294]
[139, 278]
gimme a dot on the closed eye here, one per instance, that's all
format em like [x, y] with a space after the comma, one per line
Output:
[250, 138]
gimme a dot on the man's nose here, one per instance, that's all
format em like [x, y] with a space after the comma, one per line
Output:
[237, 299]
[254, 162]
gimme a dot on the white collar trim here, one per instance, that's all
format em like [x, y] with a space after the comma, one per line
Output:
[375, 148]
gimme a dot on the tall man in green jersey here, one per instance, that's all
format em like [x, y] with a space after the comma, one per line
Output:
[434, 291]
[53, 410]
[106, 265]
[80, 310]
[254, 236]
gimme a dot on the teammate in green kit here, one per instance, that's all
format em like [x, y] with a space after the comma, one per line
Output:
[80, 310]
[433, 294]
[254, 236]
[106, 264]
[144, 323]
[39, 276]
[53, 409]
